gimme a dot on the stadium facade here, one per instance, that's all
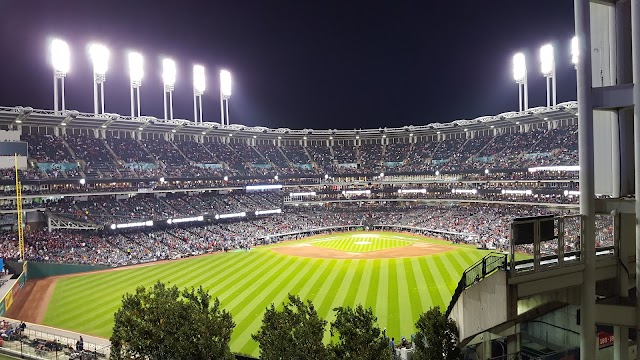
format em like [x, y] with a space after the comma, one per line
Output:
[574, 298]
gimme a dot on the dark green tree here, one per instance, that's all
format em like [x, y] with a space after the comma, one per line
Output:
[437, 337]
[163, 323]
[358, 334]
[295, 332]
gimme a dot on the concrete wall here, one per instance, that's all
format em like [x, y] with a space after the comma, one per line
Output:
[482, 306]
[38, 270]
[564, 331]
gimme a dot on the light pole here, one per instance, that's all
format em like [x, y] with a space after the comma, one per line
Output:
[60, 59]
[225, 94]
[169, 79]
[520, 76]
[136, 73]
[575, 52]
[100, 58]
[198, 89]
[548, 68]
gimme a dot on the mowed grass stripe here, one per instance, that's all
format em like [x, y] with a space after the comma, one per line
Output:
[355, 284]
[125, 276]
[448, 270]
[330, 289]
[382, 300]
[422, 286]
[372, 296]
[432, 281]
[103, 302]
[392, 311]
[219, 283]
[398, 290]
[347, 243]
[245, 344]
[100, 282]
[345, 289]
[258, 301]
[364, 283]
[165, 274]
[405, 305]
[100, 302]
[240, 289]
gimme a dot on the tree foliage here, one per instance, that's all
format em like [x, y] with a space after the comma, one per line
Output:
[358, 334]
[437, 337]
[164, 323]
[295, 332]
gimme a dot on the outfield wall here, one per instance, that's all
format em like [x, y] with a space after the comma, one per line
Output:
[39, 270]
[15, 291]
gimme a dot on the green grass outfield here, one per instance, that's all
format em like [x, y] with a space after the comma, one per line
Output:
[247, 282]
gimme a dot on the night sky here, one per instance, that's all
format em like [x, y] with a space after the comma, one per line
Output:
[297, 64]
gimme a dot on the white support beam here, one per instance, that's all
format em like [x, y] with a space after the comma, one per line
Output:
[612, 97]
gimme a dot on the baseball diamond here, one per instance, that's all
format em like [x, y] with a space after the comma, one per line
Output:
[402, 276]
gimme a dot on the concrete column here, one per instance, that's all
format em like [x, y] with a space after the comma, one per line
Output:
[485, 352]
[620, 343]
[615, 152]
[635, 55]
[587, 184]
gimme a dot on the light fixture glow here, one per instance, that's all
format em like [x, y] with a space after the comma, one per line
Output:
[575, 50]
[519, 67]
[60, 56]
[198, 79]
[546, 60]
[99, 58]
[168, 72]
[135, 67]
[225, 83]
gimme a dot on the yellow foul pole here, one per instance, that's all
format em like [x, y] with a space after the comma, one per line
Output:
[19, 209]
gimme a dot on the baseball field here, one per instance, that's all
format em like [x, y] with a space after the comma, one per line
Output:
[398, 275]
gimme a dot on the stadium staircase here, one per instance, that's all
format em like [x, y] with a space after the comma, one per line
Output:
[489, 143]
[311, 160]
[186, 159]
[113, 154]
[206, 149]
[266, 160]
[289, 163]
[156, 160]
[68, 147]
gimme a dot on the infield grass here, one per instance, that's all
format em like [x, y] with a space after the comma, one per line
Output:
[363, 242]
[398, 290]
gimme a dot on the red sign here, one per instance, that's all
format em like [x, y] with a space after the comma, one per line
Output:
[604, 339]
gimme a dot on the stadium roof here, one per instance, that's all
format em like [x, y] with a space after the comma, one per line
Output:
[11, 117]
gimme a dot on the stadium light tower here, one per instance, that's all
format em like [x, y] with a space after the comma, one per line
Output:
[548, 68]
[60, 59]
[100, 58]
[520, 76]
[225, 94]
[199, 86]
[136, 73]
[169, 79]
[575, 51]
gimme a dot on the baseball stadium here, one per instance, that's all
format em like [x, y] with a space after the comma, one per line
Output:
[522, 227]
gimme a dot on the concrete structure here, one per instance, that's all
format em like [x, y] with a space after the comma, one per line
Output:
[580, 292]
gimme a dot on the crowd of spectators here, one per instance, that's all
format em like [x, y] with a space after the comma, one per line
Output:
[181, 158]
[106, 210]
[481, 224]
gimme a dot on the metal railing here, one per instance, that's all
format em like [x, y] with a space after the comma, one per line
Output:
[43, 345]
[484, 267]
